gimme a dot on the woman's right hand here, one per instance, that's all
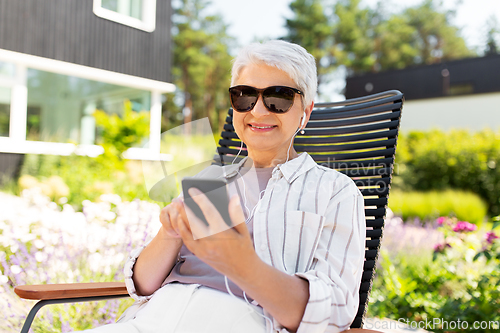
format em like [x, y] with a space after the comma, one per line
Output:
[157, 259]
[171, 216]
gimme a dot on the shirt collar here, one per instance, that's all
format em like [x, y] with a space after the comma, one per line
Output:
[289, 170]
[296, 167]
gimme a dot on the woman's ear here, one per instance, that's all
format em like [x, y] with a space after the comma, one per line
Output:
[307, 114]
[305, 117]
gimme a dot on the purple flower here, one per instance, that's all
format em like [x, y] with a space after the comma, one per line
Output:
[441, 220]
[463, 226]
[490, 237]
[441, 247]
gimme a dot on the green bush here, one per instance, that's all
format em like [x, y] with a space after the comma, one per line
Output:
[118, 133]
[457, 159]
[430, 205]
[86, 177]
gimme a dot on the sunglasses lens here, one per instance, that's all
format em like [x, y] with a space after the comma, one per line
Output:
[278, 99]
[243, 98]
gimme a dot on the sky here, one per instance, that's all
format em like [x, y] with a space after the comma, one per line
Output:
[261, 19]
[257, 19]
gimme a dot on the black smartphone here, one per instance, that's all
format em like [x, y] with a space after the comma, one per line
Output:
[216, 192]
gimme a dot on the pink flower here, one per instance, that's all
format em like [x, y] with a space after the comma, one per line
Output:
[463, 226]
[441, 220]
[490, 237]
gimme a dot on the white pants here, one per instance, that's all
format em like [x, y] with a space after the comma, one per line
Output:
[190, 308]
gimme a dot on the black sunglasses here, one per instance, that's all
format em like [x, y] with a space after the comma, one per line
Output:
[277, 99]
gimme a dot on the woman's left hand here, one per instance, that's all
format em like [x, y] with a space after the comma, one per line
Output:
[228, 250]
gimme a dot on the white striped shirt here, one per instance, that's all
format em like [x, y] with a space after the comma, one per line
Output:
[310, 223]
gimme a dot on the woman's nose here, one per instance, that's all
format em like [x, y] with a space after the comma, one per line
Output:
[260, 110]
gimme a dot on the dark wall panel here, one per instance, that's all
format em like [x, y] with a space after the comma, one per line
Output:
[68, 30]
[10, 166]
[478, 75]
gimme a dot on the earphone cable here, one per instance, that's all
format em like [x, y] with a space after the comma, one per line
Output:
[239, 151]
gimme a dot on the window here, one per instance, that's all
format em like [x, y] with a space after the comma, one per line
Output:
[33, 123]
[61, 107]
[5, 94]
[7, 74]
[132, 8]
[140, 14]
[47, 106]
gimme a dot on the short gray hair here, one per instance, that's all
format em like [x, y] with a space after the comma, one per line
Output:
[291, 58]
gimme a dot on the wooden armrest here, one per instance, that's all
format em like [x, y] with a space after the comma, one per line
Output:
[71, 290]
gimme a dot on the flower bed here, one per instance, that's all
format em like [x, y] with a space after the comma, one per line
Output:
[448, 270]
[43, 243]
[453, 274]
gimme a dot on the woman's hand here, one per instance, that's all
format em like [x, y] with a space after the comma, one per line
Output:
[231, 252]
[171, 216]
[158, 258]
[228, 250]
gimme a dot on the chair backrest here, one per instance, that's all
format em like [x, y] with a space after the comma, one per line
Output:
[357, 137]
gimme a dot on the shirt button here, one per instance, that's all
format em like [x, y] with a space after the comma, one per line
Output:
[263, 247]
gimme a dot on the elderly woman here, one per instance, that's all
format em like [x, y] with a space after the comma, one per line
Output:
[299, 256]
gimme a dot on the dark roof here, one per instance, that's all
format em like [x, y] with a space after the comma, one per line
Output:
[458, 77]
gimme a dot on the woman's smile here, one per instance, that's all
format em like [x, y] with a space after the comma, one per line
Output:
[261, 128]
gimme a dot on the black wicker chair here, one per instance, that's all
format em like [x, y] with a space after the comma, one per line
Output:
[357, 137]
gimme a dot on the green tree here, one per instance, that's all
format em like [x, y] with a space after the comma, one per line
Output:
[354, 35]
[492, 36]
[311, 28]
[201, 62]
[436, 39]
[370, 40]
[394, 43]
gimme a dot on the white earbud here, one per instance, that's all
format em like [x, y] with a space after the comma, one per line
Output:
[303, 120]
[302, 123]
